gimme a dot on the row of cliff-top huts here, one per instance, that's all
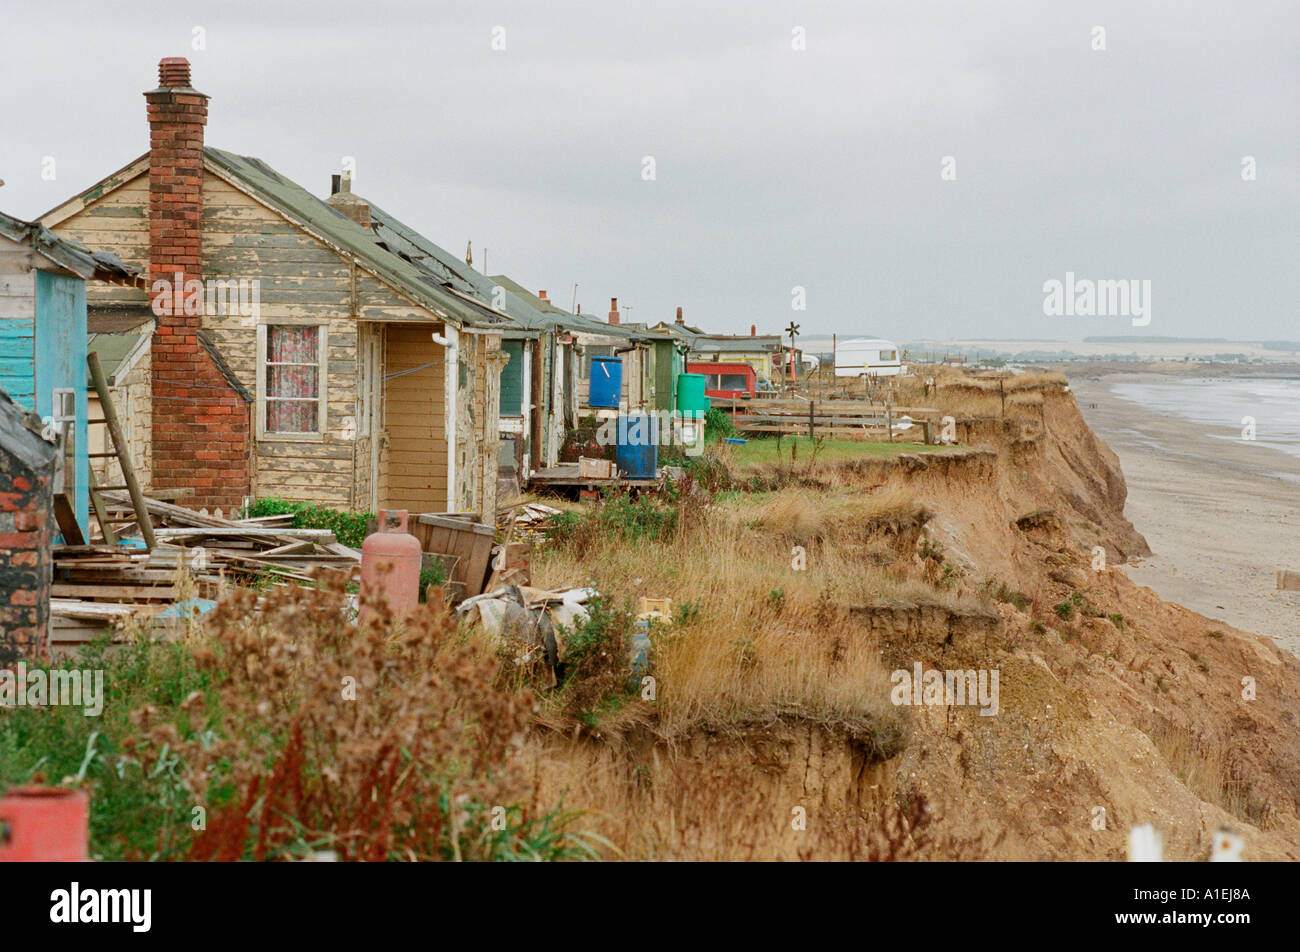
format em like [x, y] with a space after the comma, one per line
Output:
[258, 341]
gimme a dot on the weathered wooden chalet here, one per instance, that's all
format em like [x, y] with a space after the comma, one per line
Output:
[312, 349]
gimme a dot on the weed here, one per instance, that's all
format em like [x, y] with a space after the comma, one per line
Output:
[378, 742]
[630, 519]
[1000, 592]
[776, 599]
[718, 425]
[595, 666]
[686, 612]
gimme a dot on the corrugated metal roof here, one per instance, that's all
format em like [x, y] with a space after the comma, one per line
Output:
[431, 286]
[413, 247]
[735, 345]
[69, 254]
[557, 315]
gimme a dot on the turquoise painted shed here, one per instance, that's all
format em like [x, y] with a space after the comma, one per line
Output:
[43, 336]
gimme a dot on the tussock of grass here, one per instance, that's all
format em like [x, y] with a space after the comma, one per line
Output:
[762, 637]
[802, 515]
[1204, 766]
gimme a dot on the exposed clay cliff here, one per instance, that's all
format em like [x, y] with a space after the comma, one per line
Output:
[1115, 708]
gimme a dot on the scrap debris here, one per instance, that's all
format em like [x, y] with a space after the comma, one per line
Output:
[527, 519]
[529, 621]
[97, 585]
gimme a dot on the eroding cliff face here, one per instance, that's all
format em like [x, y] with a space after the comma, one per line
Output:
[1115, 708]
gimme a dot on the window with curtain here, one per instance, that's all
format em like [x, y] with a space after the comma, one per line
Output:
[293, 385]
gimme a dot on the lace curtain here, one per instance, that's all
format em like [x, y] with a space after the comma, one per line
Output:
[292, 379]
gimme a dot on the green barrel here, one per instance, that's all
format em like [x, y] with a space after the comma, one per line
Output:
[690, 394]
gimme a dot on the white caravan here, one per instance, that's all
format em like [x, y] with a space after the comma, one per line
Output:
[870, 356]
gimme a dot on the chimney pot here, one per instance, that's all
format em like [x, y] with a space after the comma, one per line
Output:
[342, 200]
[753, 330]
[542, 295]
[174, 71]
[679, 316]
[335, 185]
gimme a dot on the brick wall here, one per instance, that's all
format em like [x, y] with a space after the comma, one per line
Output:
[26, 535]
[201, 423]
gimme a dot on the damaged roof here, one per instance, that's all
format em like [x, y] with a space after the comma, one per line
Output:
[413, 247]
[69, 254]
[434, 288]
[557, 315]
[525, 308]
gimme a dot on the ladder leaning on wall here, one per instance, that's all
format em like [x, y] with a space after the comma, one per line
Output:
[122, 453]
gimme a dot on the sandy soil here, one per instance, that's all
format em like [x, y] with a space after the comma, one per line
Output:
[1220, 521]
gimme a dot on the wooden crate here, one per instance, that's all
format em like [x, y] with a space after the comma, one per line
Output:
[459, 536]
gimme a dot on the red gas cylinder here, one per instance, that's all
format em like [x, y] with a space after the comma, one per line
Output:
[390, 564]
[44, 824]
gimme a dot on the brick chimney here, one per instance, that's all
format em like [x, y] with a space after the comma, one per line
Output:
[354, 206]
[753, 330]
[680, 320]
[613, 310]
[200, 420]
[542, 295]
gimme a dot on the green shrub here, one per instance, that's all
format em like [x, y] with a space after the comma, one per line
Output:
[595, 670]
[348, 527]
[718, 425]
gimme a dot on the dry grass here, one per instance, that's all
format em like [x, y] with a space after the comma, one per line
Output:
[1205, 767]
[728, 797]
[756, 635]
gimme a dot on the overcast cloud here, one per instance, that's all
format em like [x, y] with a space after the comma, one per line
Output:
[775, 167]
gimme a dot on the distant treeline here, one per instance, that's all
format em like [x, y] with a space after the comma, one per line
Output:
[1287, 345]
[1155, 340]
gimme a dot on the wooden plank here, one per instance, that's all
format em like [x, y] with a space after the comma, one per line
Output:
[67, 520]
[71, 608]
[70, 590]
[314, 535]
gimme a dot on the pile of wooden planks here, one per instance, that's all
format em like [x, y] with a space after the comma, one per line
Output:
[266, 545]
[95, 586]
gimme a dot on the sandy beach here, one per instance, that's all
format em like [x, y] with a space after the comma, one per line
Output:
[1221, 516]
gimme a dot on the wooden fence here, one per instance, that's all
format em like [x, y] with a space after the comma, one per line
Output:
[813, 418]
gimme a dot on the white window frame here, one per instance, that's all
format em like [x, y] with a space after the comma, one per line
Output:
[322, 398]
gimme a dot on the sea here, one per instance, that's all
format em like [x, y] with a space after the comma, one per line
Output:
[1228, 405]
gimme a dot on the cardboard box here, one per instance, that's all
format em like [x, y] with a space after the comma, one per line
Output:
[589, 468]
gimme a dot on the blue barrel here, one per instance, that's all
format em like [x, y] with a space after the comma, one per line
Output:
[638, 446]
[606, 382]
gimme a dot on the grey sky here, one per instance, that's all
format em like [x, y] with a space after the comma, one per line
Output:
[775, 167]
